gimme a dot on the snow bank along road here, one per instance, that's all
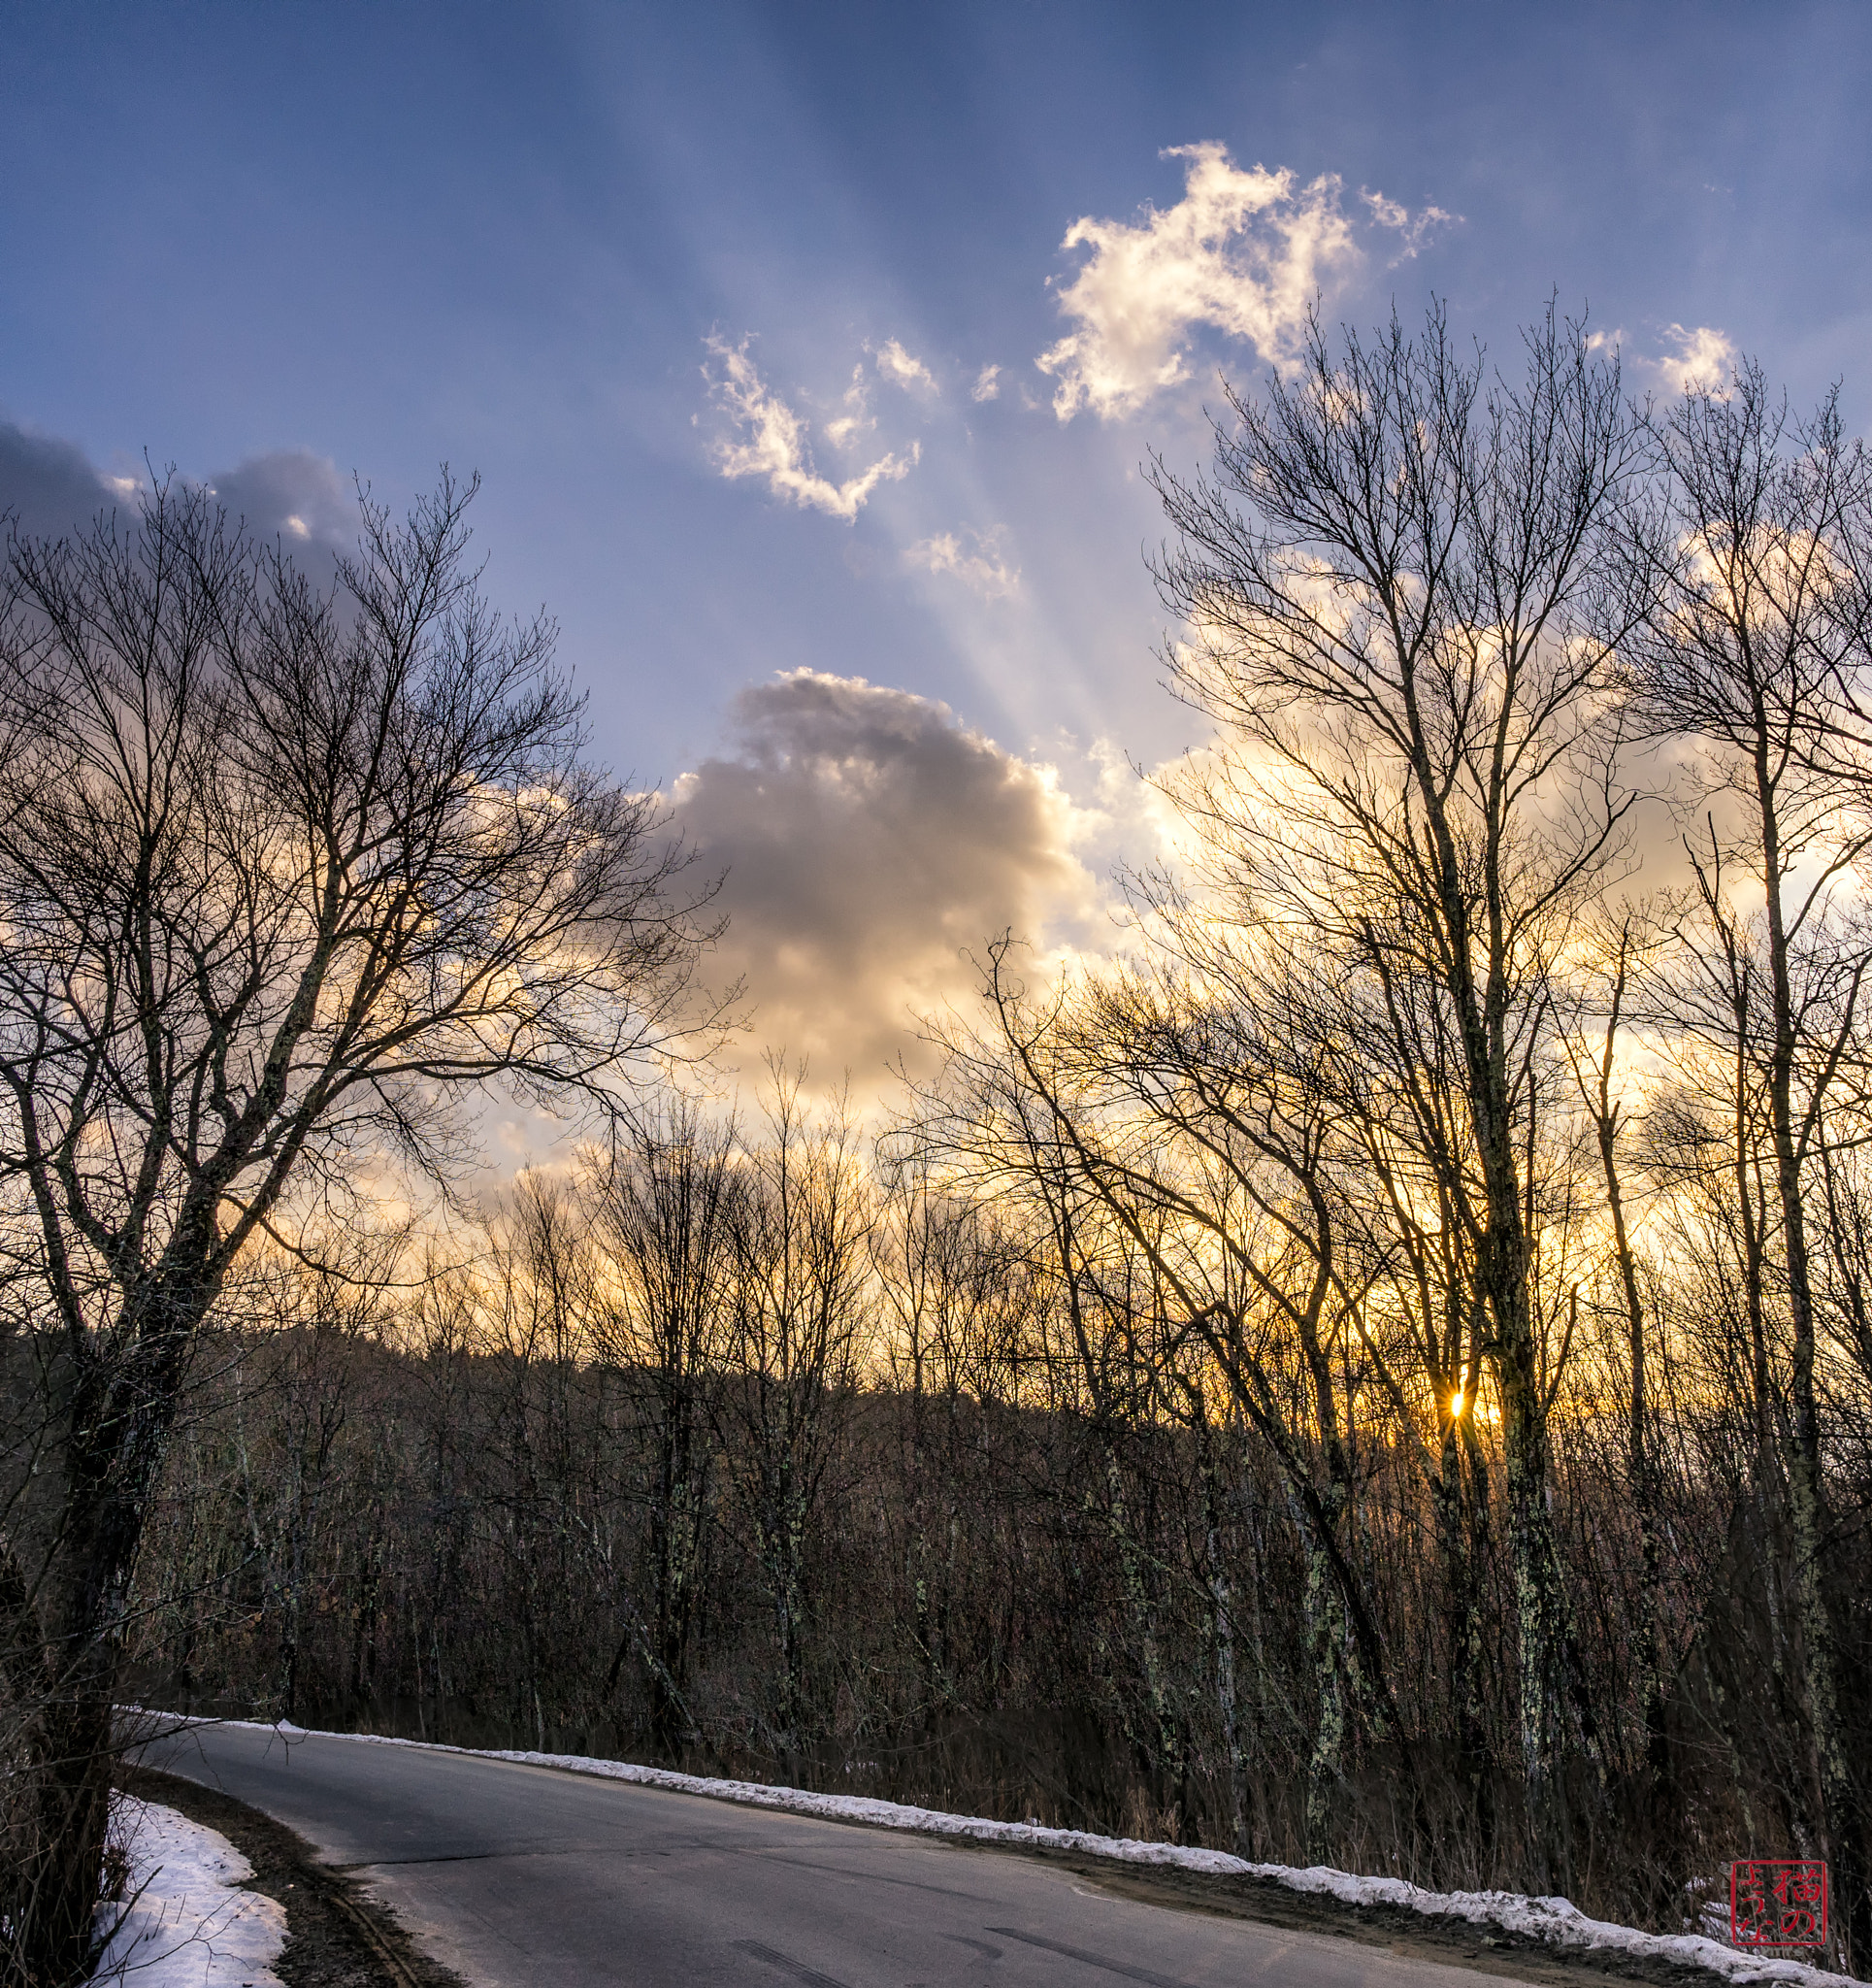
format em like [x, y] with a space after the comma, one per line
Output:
[520, 1876]
[190, 1924]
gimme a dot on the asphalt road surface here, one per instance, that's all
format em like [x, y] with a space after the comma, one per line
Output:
[530, 1877]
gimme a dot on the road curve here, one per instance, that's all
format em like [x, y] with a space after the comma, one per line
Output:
[528, 1878]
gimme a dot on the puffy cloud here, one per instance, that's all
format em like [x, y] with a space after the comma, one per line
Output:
[987, 384]
[774, 445]
[869, 838]
[291, 494]
[1702, 360]
[980, 564]
[1245, 253]
[902, 369]
[50, 487]
[1698, 360]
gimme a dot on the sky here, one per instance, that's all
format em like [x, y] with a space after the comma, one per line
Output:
[811, 355]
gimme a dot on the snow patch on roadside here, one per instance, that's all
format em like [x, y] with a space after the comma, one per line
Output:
[190, 1926]
[1557, 1922]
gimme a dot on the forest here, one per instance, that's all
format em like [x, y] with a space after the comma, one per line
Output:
[1376, 1371]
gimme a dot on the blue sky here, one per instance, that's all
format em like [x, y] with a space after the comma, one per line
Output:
[376, 237]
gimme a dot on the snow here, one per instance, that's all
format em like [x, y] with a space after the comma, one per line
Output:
[1557, 1922]
[190, 1925]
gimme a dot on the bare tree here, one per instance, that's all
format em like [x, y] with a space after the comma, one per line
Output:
[799, 1298]
[1393, 592]
[1755, 638]
[285, 877]
[664, 1206]
[1177, 1142]
[1595, 1068]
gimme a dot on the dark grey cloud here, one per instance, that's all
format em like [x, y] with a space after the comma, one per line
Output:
[51, 487]
[292, 495]
[48, 487]
[869, 839]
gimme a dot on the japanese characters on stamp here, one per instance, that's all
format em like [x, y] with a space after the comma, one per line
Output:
[1778, 1902]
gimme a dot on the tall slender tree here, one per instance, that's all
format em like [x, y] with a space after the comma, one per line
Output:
[1393, 587]
[1755, 639]
[665, 1209]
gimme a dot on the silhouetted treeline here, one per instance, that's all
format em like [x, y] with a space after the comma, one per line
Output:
[944, 1529]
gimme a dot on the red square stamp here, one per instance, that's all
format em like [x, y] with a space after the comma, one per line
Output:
[1778, 1903]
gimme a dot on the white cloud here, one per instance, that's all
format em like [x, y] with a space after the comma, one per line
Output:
[903, 370]
[845, 429]
[980, 564]
[1702, 360]
[987, 384]
[774, 445]
[1246, 252]
[1412, 229]
[1698, 361]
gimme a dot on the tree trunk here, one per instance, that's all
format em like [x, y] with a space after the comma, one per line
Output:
[1460, 1499]
[1164, 1751]
[114, 1449]
[1222, 1627]
[676, 1534]
[1540, 1602]
[1326, 1635]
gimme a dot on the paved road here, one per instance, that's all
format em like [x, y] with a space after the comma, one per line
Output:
[528, 1878]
